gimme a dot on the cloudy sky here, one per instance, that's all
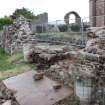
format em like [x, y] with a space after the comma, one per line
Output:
[55, 8]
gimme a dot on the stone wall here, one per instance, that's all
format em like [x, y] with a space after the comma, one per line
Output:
[100, 11]
[97, 12]
[83, 70]
[41, 22]
[14, 36]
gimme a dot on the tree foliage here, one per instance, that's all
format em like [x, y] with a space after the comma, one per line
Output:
[24, 12]
[5, 21]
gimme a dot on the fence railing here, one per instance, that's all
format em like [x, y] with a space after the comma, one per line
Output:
[71, 26]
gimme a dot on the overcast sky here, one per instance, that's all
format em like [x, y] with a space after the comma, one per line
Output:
[56, 8]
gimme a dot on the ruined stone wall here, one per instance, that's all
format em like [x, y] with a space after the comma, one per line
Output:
[14, 36]
[100, 11]
[97, 12]
[40, 22]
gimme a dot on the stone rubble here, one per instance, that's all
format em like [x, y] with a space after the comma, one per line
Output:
[62, 65]
[96, 43]
[46, 54]
[8, 102]
[38, 76]
[88, 63]
[57, 87]
[61, 72]
[40, 92]
[57, 62]
[7, 96]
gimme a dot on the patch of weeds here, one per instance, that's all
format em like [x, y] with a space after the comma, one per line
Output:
[7, 62]
[13, 65]
[4, 64]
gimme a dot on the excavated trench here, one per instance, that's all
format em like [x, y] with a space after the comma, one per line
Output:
[25, 89]
[58, 65]
[51, 83]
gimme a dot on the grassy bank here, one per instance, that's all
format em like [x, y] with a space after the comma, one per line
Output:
[12, 65]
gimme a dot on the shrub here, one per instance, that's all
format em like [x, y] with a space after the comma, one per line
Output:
[24, 12]
[63, 28]
[75, 28]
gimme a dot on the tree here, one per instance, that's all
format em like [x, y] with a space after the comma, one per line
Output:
[5, 21]
[25, 12]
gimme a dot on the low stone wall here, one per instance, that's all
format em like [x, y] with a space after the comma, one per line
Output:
[45, 54]
[65, 39]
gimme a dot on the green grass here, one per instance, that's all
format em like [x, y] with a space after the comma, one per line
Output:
[75, 35]
[4, 64]
[60, 33]
[8, 62]
[12, 65]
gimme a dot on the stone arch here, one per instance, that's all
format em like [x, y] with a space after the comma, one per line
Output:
[77, 17]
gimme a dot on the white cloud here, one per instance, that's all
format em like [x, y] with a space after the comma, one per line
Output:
[55, 8]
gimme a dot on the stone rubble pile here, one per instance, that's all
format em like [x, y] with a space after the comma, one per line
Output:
[61, 72]
[57, 62]
[66, 70]
[84, 69]
[96, 43]
[45, 54]
[63, 65]
[86, 64]
[90, 61]
[7, 96]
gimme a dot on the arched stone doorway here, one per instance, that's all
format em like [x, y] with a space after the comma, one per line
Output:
[77, 18]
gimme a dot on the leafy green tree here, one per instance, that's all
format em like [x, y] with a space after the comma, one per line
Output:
[25, 12]
[5, 21]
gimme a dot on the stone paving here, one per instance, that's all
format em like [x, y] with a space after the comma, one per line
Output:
[27, 91]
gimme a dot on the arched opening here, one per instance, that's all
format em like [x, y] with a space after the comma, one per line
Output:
[74, 15]
[72, 19]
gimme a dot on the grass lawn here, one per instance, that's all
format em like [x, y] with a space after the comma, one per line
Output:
[12, 65]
